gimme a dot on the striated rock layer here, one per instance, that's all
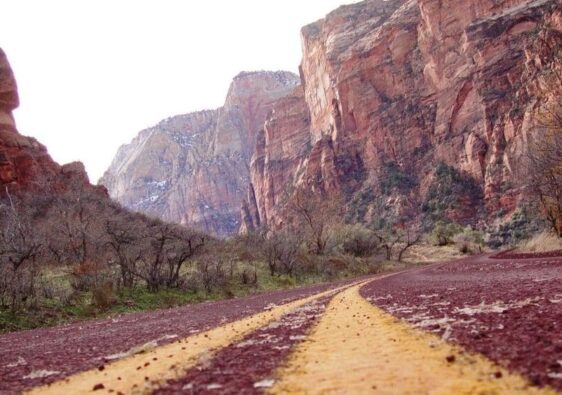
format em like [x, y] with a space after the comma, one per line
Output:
[25, 164]
[194, 168]
[410, 109]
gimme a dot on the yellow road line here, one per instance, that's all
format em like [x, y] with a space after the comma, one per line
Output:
[357, 348]
[135, 373]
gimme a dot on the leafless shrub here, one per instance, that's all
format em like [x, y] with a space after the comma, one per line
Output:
[87, 276]
[397, 239]
[20, 248]
[249, 277]
[211, 273]
[315, 215]
[545, 173]
[360, 242]
[469, 241]
[103, 296]
[281, 251]
[164, 250]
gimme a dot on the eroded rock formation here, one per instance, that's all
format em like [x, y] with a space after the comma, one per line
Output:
[397, 89]
[25, 164]
[194, 168]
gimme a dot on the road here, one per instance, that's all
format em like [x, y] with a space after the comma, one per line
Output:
[477, 325]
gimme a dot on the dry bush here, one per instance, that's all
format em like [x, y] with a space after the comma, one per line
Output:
[103, 295]
[211, 273]
[469, 241]
[20, 249]
[249, 277]
[86, 276]
[543, 242]
[50, 289]
[19, 288]
[338, 265]
[281, 251]
[359, 241]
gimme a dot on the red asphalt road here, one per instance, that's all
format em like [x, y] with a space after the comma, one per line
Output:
[247, 367]
[60, 351]
[507, 309]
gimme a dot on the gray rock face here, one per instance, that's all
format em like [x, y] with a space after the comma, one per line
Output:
[193, 169]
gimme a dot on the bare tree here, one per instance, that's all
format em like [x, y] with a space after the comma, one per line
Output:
[167, 247]
[544, 175]
[184, 245]
[77, 228]
[271, 246]
[20, 247]
[400, 237]
[211, 272]
[317, 214]
[388, 238]
[289, 246]
[281, 249]
[124, 238]
[411, 237]
[545, 166]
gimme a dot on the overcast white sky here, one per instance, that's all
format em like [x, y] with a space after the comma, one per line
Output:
[93, 73]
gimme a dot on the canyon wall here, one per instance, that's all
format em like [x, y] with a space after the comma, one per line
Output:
[411, 109]
[194, 168]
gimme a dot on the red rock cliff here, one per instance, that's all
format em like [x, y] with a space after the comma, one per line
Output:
[25, 164]
[397, 89]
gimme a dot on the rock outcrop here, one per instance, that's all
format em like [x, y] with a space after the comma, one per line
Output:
[194, 168]
[25, 164]
[281, 149]
[393, 90]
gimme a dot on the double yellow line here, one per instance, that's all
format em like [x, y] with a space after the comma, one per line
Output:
[139, 373]
[357, 348]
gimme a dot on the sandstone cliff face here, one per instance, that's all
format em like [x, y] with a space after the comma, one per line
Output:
[280, 152]
[194, 168]
[25, 164]
[399, 88]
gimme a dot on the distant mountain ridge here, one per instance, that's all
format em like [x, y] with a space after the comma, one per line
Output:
[193, 168]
